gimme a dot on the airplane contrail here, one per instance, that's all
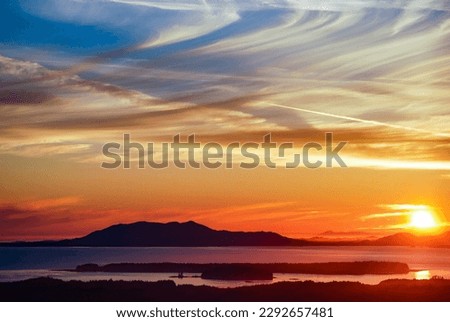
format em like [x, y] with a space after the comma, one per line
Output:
[349, 118]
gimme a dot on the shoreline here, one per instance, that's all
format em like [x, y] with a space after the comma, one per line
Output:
[54, 290]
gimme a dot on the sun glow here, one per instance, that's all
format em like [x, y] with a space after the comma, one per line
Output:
[422, 219]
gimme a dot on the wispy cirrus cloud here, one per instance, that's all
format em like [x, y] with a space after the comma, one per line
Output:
[179, 66]
[396, 210]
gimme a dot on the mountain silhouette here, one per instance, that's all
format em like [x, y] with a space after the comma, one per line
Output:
[147, 234]
[407, 239]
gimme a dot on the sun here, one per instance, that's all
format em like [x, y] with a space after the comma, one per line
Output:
[422, 219]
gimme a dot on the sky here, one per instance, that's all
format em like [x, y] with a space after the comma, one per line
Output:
[77, 74]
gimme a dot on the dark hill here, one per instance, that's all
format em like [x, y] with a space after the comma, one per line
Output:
[148, 234]
[407, 239]
[45, 289]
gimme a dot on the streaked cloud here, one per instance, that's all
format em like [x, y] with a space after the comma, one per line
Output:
[396, 210]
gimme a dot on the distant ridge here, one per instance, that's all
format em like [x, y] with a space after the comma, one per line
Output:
[172, 234]
[177, 234]
[407, 239]
[192, 234]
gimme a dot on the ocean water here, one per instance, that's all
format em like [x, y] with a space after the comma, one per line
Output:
[27, 262]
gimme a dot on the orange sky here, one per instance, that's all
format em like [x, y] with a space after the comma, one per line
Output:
[53, 198]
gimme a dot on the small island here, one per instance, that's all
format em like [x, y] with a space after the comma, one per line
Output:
[247, 271]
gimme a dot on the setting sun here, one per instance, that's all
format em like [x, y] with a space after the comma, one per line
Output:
[423, 219]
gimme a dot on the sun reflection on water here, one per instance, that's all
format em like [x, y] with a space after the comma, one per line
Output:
[422, 275]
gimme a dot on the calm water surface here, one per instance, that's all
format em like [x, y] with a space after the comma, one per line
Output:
[27, 262]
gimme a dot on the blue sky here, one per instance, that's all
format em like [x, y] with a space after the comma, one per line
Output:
[376, 61]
